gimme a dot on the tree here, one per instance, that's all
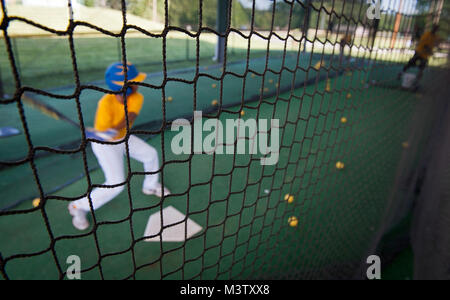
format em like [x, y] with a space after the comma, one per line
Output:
[183, 13]
[142, 8]
[114, 4]
[239, 17]
[89, 3]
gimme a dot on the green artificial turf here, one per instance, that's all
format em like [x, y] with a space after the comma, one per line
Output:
[245, 229]
[47, 132]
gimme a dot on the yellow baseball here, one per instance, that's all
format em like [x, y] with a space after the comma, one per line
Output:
[36, 202]
[289, 198]
[318, 65]
[293, 221]
[328, 87]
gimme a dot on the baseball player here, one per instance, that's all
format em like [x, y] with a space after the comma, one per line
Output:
[424, 51]
[346, 40]
[110, 125]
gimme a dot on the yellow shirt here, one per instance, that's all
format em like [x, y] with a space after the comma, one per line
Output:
[346, 39]
[426, 44]
[111, 112]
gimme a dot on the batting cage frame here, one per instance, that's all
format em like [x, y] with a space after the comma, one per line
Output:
[352, 149]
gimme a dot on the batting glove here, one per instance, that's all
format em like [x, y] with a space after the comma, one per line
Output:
[103, 136]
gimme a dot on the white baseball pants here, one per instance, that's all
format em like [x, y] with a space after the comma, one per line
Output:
[111, 160]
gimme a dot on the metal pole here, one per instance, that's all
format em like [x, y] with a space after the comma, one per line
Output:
[438, 12]
[233, 25]
[155, 10]
[222, 25]
[188, 28]
[119, 50]
[187, 48]
[1, 87]
[306, 21]
[16, 56]
[398, 20]
[70, 10]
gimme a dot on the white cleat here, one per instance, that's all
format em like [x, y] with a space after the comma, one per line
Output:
[157, 191]
[79, 219]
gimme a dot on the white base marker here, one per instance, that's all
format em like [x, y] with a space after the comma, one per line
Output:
[170, 233]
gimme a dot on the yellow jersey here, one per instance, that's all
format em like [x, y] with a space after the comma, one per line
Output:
[426, 44]
[346, 39]
[111, 112]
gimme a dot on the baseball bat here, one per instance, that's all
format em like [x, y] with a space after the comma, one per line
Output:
[47, 110]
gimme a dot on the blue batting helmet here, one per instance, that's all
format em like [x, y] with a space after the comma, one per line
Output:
[115, 76]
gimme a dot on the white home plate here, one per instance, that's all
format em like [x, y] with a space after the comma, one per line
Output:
[174, 233]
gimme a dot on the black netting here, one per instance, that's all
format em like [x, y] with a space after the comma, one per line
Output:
[350, 138]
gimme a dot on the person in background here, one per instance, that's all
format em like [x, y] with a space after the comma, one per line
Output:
[424, 50]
